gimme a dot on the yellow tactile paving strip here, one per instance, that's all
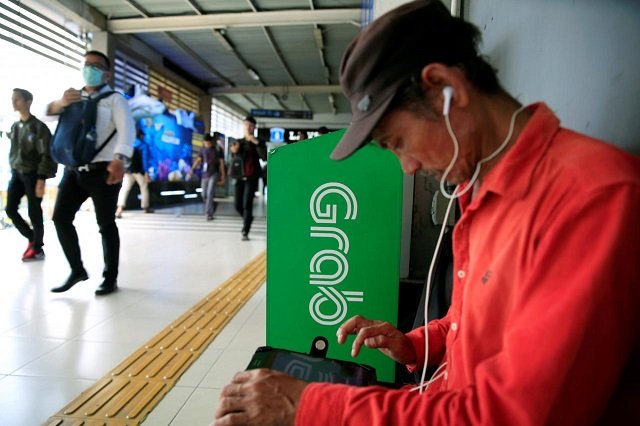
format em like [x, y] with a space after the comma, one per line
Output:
[132, 389]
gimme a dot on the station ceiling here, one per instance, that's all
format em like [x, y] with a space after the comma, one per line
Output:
[264, 54]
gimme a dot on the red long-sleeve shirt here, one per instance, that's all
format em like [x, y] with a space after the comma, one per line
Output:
[544, 324]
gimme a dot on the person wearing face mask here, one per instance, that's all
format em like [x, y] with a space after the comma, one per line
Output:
[99, 180]
[544, 325]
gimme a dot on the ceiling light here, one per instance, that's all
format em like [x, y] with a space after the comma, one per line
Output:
[254, 75]
[221, 36]
[317, 34]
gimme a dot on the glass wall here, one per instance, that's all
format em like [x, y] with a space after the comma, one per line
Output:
[225, 121]
[46, 80]
[41, 57]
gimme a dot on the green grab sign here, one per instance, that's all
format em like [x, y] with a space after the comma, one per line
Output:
[333, 245]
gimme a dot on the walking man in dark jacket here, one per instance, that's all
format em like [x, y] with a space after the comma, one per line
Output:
[31, 165]
[251, 150]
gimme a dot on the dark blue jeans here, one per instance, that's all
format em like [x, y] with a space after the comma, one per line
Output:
[245, 191]
[22, 184]
[74, 189]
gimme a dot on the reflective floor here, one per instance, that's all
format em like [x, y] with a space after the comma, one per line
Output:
[54, 346]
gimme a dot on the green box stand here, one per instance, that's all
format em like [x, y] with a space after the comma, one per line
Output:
[333, 245]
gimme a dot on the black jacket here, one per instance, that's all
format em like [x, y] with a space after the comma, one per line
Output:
[251, 155]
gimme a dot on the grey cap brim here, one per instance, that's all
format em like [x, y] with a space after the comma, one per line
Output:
[359, 132]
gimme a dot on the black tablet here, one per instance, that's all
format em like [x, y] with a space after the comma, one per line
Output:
[313, 369]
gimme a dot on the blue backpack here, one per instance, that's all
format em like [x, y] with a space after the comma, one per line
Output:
[74, 141]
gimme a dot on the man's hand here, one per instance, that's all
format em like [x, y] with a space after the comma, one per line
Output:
[259, 397]
[116, 172]
[69, 96]
[40, 188]
[377, 335]
[248, 135]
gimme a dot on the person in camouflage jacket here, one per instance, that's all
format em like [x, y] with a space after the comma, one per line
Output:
[31, 165]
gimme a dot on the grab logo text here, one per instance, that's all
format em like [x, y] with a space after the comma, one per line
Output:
[329, 267]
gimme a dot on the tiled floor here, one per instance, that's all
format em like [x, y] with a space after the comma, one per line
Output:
[54, 346]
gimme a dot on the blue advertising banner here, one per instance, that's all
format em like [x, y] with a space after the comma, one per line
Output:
[170, 151]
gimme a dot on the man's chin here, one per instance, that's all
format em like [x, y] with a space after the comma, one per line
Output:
[437, 175]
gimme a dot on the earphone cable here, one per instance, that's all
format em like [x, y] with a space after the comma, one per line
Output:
[491, 156]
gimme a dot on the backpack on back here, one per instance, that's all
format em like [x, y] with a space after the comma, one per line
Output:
[74, 141]
[236, 167]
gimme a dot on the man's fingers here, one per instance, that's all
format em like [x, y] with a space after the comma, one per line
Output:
[363, 334]
[376, 342]
[237, 385]
[228, 404]
[231, 390]
[230, 412]
[373, 335]
[70, 96]
[231, 419]
[244, 377]
[350, 326]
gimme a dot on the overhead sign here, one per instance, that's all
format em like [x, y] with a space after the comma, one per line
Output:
[280, 113]
[277, 134]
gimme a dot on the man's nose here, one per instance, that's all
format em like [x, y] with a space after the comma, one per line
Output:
[409, 165]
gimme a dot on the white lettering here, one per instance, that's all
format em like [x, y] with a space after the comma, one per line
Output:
[331, 232]
[315, 267]
[329, 213]
[330, 267]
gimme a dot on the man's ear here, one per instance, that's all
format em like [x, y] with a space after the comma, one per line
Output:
[436, 76]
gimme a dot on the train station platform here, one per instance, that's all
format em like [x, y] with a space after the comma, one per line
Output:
[56, 347]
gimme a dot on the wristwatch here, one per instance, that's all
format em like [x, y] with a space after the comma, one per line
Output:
[126, 161]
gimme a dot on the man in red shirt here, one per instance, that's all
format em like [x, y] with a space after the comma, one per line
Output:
[544, 324]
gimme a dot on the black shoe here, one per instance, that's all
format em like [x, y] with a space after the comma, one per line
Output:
[73, 279]
[107, 287]
[245, 237]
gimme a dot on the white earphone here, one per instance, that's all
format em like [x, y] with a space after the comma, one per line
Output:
[447, 92]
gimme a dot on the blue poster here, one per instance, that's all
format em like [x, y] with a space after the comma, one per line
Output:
[170, 147]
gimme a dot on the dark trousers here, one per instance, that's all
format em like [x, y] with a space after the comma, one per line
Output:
[74, 189]
[22, 184]
[245, 191]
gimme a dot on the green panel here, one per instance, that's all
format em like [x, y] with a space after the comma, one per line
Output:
[333, 245]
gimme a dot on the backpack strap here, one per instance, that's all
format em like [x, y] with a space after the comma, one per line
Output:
[96, 100]
[101, 96]
[101, 147]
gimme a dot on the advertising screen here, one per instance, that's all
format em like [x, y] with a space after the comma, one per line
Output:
[170, 150]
